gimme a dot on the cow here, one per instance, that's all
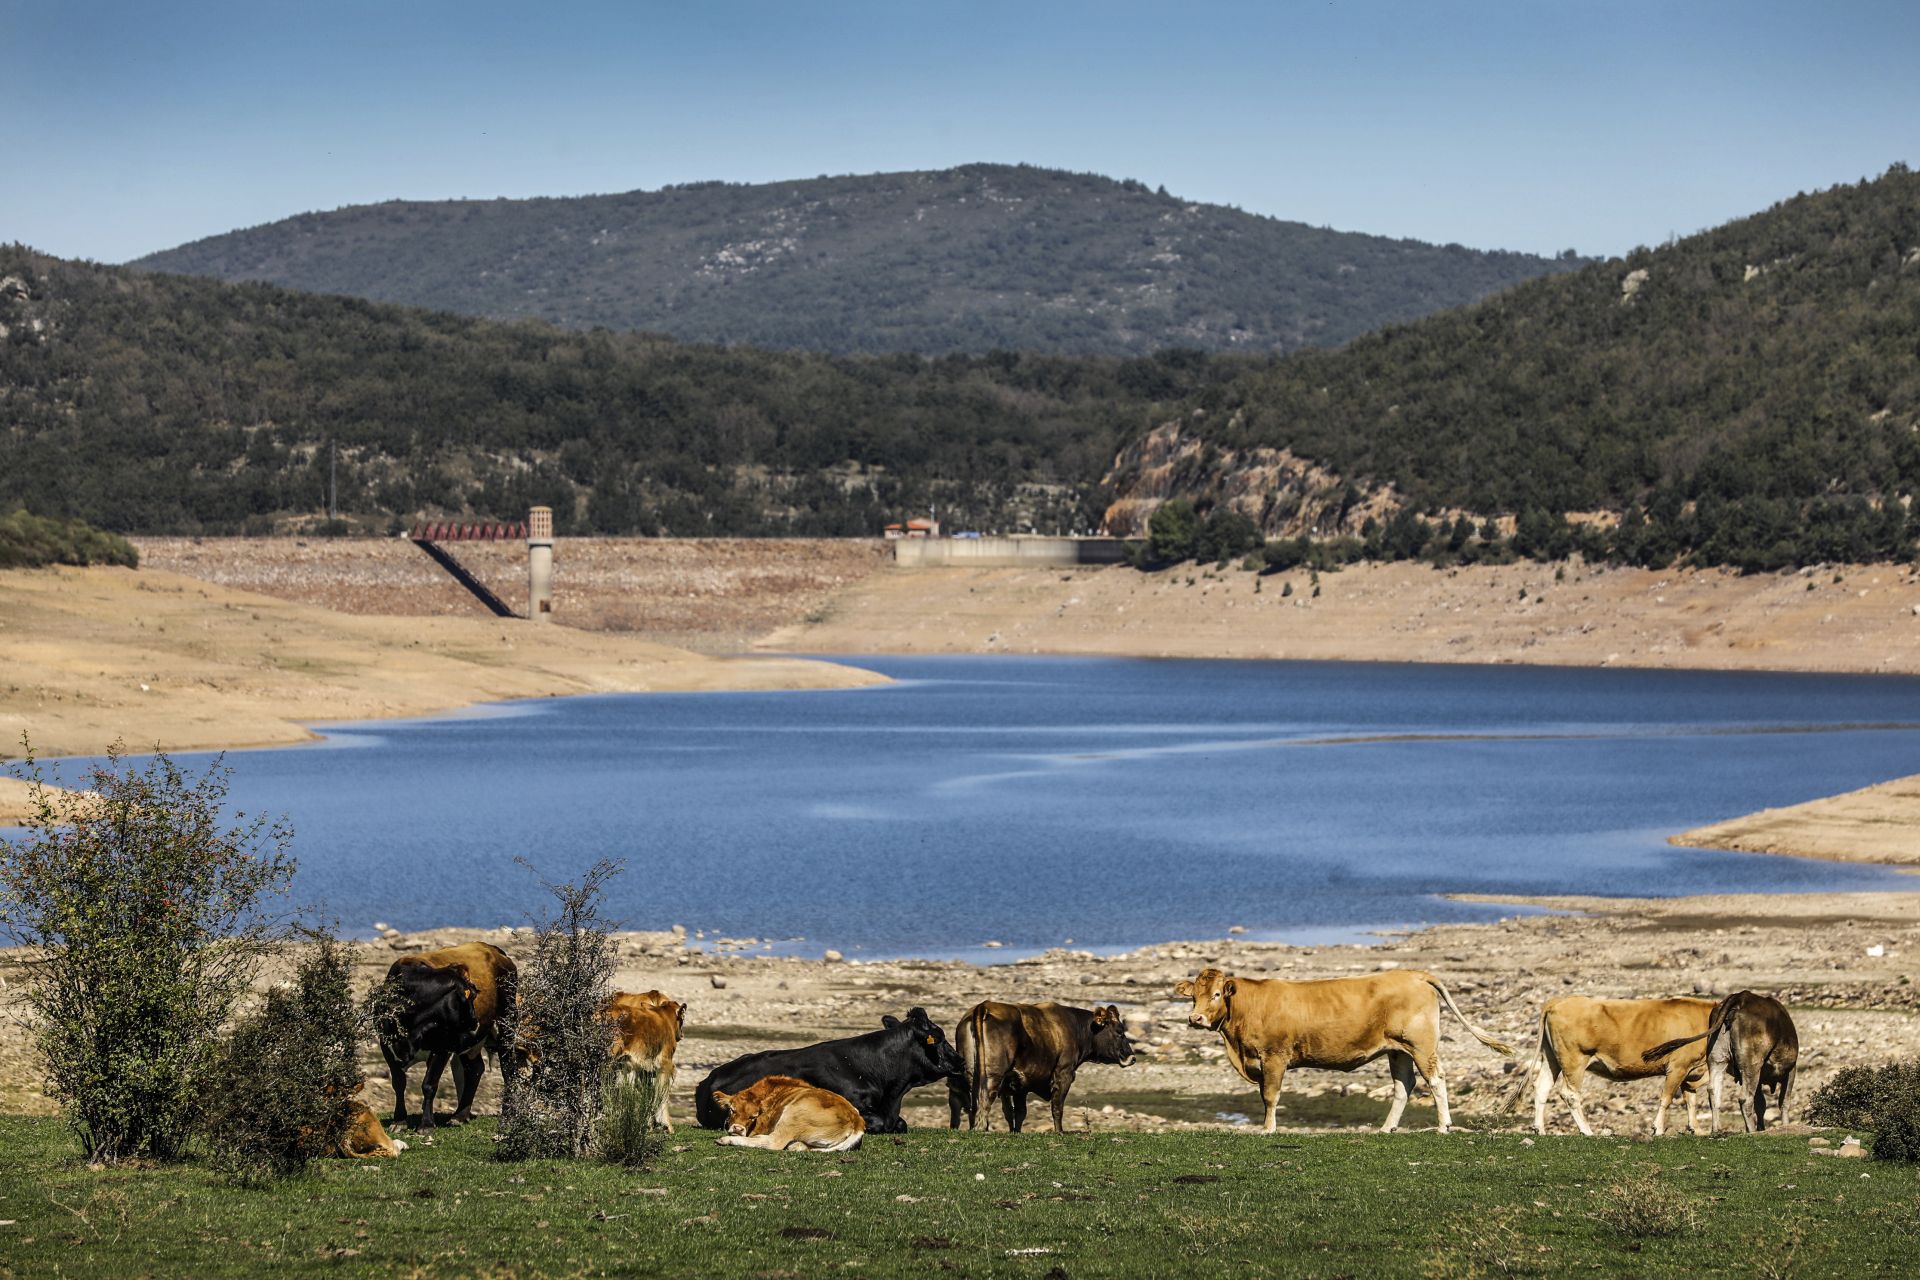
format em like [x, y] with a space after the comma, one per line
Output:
[364, 1137]
[646, 1031]
[779, 1113]
[1752, 1038]
[1271, 1025]
[872, 1071]
[454, 1003]
[1013, 1050]
[1611, 1038]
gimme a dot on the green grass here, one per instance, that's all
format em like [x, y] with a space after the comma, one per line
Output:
[1121, 1204]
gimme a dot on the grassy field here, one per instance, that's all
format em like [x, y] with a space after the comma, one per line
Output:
[1121, 1204]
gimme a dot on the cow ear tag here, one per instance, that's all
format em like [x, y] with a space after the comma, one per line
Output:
[929, 1039]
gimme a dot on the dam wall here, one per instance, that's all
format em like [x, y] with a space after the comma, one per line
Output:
[1005, 553]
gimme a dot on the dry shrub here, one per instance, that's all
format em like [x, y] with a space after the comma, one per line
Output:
[561, 1021]
[630, 1131]
[1485, 1242]
[1639, 1206]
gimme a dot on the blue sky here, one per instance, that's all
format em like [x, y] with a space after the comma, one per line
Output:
[1540, 125]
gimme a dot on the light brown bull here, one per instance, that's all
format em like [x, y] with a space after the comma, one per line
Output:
[1270, 1025]
[1611, 1039]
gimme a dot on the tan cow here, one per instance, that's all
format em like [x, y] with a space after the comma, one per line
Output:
[779, 1113]
[364, 1136]
[1611, 1039]
[1270, 1025]
[646, 1031]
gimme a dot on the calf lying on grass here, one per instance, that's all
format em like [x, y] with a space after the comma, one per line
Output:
[873, 1072]
[780, 1113]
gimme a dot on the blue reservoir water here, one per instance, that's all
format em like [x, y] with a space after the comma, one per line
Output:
[1114, 802]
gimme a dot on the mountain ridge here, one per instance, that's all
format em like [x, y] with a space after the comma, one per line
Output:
[964, 260]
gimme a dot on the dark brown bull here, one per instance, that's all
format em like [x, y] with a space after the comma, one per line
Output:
[1013, 1050]
[452, 1005]
[1752, 1038]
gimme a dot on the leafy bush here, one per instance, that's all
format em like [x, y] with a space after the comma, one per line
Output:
[33, 542]
[282, 1089]
[1883, 1101]
[1171, 532]
[146, 910]
[560, 1027]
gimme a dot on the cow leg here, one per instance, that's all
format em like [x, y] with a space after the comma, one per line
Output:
[397, 1073]
[430, 1085]
[467, 1070]
[1013, 1099]
[958, 1093]
[1673, 1082]
[1716, 1093]
[1062, 1081]
[1436, 1080]
[1400, 1065]
[1786, 1084]
[662, 1088]
[1543, 1082]
[991, 1088]
[1273, 1074]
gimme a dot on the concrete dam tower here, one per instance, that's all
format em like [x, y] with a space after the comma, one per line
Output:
[540, 564]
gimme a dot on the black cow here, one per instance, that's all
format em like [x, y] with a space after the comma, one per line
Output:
[447, 1005]
[873, 1071]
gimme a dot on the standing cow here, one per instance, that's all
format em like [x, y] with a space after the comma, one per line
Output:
[1270, 1025]
[1752, 1038]
[873, 1071]
[450, 1004]
[1013, 1050]
[646, 1031]
[1612, 1039]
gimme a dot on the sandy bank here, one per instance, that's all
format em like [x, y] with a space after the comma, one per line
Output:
[155, 659]
[1814, 950]
[1865, 621]
[1874, 824]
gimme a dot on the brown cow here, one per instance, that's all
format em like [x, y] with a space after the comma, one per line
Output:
[1013, 1050]
[646, 1030]
[1751, 1037]
[779, 1113]
[448, 1004]
[365, 1136]
[1270, 1025]
[1611, 1038]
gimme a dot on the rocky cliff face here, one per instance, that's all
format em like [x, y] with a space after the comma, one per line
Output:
[1286, 495]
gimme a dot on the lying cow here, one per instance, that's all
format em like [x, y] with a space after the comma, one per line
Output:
[1270, 1025]
[365, 1137]
[447, 1004]
[779, 1113]
[1013, 1050]
[1752, 1038]
[646, 1031]
[1612, 1038]
[873, 1071]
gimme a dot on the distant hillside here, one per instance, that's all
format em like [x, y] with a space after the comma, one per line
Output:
[974, 259]
[156, 403]
[1749, 395]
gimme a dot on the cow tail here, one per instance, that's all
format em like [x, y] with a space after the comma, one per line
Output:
[978, 1015]
[1498, 1046]
[1662, 1050]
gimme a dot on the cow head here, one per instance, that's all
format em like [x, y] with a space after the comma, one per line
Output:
[1211, 990]
[1110, 1043]
[928, 1042]
[742, 1108]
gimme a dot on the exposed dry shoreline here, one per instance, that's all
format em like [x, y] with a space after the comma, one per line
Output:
[1815, 950]
[1836, 619]
[150, 658]
[1874, 824]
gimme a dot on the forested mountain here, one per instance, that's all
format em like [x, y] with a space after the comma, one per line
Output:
[974, 259]
[1749, 395]
[151, 403]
